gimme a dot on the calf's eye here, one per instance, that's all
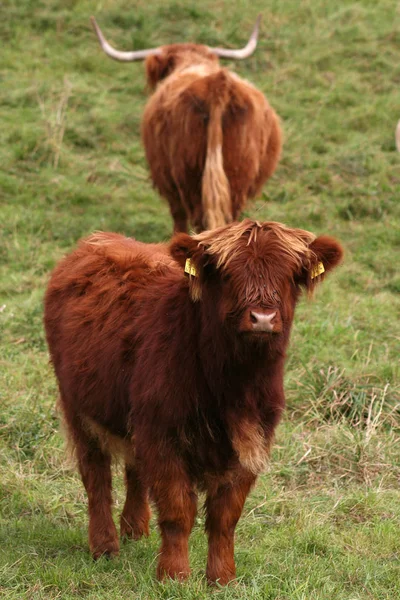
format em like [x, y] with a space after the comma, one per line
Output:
[276, 296]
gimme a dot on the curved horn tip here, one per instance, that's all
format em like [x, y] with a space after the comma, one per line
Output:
[257, 25]
[118, 55]
[248, 48]
[93, 22]
[96, 28]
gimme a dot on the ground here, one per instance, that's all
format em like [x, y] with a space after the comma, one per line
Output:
[323, 523]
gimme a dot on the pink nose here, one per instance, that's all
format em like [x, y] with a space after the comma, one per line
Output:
[262, 321]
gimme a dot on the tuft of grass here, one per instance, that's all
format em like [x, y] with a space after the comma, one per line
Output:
[323, 522]
[54, 119]
[334, 398]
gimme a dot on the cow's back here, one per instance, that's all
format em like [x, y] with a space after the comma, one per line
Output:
[90, 306]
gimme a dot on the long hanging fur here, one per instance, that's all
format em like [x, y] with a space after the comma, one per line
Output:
[215, 191]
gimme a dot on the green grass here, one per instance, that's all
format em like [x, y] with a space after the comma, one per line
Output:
[324, 522]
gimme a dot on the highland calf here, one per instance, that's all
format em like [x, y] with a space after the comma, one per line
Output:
[211, 138]
[180, 373]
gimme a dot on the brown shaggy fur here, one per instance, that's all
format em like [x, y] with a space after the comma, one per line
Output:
[169, 371]
[211, 138]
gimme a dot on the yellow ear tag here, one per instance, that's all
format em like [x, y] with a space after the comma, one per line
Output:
[190, 268]
[317, 270]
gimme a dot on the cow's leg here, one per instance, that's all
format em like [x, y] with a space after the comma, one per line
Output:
[95, 469]
[136, 513]
[198, 220]
[224, 506]
[238, 202]
[178, 210]
[180, 219]
[176, 504]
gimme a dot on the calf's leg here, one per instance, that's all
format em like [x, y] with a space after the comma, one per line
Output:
[176, 504]
[95, 469]
[224, 506]
[136, 513]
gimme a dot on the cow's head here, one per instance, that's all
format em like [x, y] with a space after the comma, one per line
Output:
[250, 274]
[176, 57]
[161, 61]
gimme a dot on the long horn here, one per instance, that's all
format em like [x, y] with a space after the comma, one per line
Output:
[398, 136]
[244, 52]
[116, 54]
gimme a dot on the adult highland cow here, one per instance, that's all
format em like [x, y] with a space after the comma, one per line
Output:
[181, 374]
[211, 138]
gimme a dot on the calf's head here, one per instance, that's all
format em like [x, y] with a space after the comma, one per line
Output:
[249, 275]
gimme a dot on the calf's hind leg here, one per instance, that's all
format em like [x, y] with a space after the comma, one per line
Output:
[95, 469]
[136, 513]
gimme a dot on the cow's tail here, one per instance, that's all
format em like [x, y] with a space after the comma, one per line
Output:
[215, 191]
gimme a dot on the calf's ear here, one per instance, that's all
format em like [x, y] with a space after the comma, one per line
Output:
[190, 256]
[326, 254]
[188, 253]
[328, 251]
[182, 247]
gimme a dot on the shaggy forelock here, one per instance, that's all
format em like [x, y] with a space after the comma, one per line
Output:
[226, 243]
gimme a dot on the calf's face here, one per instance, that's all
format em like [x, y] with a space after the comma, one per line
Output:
[250, 274]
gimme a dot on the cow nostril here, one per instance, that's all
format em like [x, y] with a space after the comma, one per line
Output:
[262, 321]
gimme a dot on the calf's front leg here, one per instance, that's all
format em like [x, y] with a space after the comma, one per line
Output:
[176, 504]
[224, 506]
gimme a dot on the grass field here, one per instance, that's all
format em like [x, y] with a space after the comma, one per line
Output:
[324, 522]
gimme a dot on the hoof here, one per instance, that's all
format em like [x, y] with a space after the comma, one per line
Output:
[107, 550]
[134, 530]
[178, 574]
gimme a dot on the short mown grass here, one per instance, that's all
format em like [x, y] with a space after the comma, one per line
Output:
[324, 522]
